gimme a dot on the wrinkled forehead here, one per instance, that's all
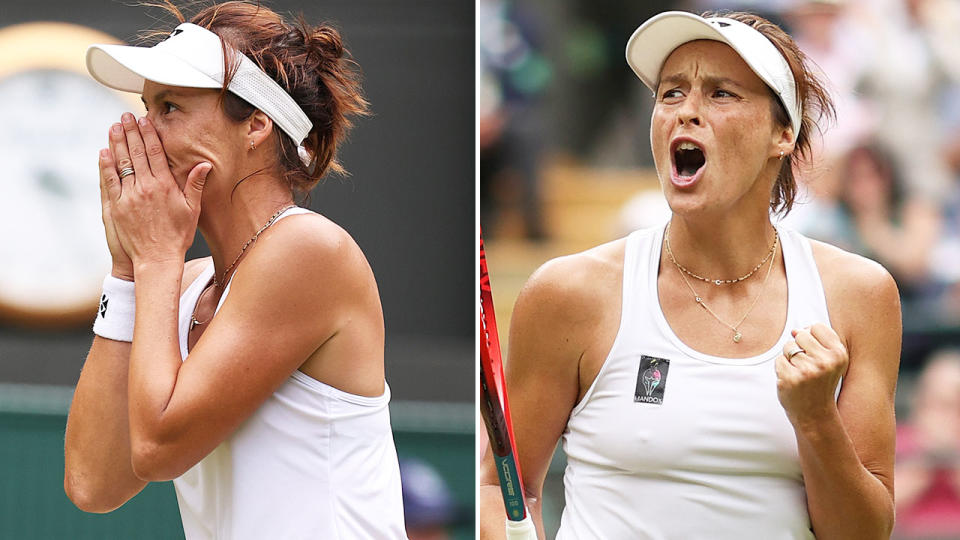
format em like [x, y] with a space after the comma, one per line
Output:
[708, 59]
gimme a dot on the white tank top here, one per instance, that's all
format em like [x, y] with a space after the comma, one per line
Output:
[312, 462]
[695, 447]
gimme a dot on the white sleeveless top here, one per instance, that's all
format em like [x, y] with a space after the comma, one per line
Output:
[697, 447]
[312, 462]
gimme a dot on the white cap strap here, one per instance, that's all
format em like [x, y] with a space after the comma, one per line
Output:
[249, 82]
[193, 57]
[655, 40]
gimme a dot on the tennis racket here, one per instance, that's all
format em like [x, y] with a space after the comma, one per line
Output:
[496, 415]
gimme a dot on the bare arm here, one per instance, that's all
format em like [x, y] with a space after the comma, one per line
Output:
[98, 473]
[559, 330]
[98, 476]
[180, 411]
[847, 449]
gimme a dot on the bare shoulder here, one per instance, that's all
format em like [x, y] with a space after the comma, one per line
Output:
[575, 284]
[564, 307]
[309, 259]
[562, 325]
[861, 294]
[851, 277]
[192, 270]
[311, 245]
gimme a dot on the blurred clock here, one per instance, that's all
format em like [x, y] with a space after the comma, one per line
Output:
[53, 254]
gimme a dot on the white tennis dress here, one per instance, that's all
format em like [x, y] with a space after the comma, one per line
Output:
[312, 462]
[672, 443]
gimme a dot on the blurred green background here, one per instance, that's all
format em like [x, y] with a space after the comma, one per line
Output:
[33, 504]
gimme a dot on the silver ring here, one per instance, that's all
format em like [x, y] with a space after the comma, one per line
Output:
[794, 352]
[125, 172]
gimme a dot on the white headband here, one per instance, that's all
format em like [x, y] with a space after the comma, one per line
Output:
[651, 44]
[193, 57]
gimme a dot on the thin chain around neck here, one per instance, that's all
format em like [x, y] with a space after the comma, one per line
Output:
[219, 282]
[776, 236]
[737, 335]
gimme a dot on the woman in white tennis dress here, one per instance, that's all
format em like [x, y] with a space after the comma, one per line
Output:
[716, 377]
[253, 378]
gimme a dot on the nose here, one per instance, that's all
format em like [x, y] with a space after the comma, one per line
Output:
[689, 111]
[155, 120]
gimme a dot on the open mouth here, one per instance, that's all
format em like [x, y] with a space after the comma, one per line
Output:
[688, 158]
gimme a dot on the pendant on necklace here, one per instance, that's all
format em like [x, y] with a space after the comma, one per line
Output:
[194, 322]
[736, 337]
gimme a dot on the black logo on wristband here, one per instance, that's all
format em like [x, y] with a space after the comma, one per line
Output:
[103, 306]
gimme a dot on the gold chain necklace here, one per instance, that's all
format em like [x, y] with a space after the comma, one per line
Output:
[737, 335]
[718, 282]
[219, 283]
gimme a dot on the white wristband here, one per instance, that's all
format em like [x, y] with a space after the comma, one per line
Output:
[117, 308]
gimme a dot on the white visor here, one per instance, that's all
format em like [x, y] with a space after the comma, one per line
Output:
[193, 57]
[651, 44]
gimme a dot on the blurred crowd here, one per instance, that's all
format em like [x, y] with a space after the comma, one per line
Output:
[884, 182]
[927, 473]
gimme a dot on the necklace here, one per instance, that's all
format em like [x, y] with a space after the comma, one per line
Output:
[219, 282]
[718, 282]
[737, 335]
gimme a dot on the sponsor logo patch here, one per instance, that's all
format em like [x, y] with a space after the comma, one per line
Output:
[651, 380]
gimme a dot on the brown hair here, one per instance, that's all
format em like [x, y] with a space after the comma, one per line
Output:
[309, 62]
[812, 94]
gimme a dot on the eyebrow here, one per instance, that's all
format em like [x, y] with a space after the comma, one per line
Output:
[163, 94]
[713, 81]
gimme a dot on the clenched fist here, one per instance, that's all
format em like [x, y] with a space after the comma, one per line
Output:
[808, 372]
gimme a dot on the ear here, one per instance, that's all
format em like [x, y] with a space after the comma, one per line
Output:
[259, 128]
[783, 141]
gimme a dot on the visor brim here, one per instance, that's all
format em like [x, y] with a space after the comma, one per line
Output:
[123, 67]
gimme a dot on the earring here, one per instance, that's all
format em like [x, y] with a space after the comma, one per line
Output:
[253, 146]
[781, 155]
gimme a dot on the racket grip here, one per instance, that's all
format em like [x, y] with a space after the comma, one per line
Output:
[521, 530]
